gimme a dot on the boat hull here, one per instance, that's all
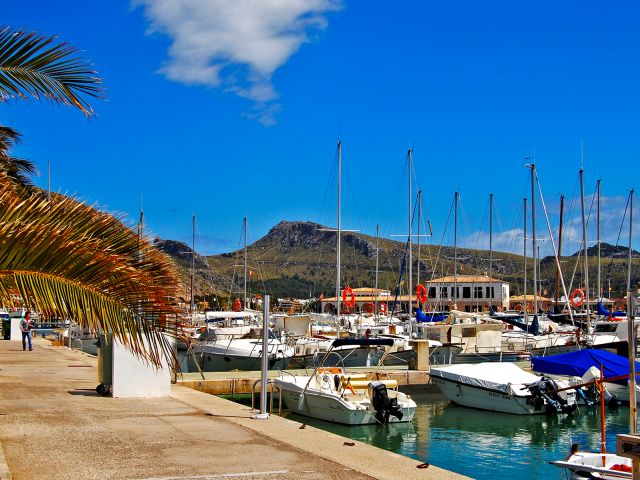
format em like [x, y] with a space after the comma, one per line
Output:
[485, 399]
[332, 408]
[214, 362]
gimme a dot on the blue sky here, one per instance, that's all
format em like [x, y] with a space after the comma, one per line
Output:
[230, 108]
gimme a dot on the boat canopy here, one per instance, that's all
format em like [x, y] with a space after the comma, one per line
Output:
[577, 363]
[499, 376]
[362, 342]
[221, 315]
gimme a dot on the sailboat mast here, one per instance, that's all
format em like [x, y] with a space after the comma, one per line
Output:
[375, 292]
[193, 264]
[490, 245]
[599, 286]
[631, 337]
[584, 249]
[410, 275]
[524, 237]
[338, 233]
[455, 251]
[559, 247]
[244, 228]
[419, 216]
[533, 237]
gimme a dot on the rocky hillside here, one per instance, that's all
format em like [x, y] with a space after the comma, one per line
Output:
[298, 259]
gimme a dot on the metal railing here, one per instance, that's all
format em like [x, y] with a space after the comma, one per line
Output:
[274, 387]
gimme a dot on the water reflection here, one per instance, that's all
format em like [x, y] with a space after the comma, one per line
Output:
[487, 445]
[397, 437]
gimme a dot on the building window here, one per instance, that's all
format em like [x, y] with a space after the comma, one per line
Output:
[466, 292]
[443, 292]
[477, 292]
[432, 292]
[490, 292]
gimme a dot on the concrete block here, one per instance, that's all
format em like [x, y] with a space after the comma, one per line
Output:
[16, 333]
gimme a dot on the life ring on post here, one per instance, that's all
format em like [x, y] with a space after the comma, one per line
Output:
[421, 293]
[348, 297]
[237, 305]
[382, 307]
[577, 297]
[369, 307]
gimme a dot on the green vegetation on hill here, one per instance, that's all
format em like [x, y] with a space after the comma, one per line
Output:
[298, 259]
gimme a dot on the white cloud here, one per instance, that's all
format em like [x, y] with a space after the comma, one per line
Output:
[612, 230]
[236, 45]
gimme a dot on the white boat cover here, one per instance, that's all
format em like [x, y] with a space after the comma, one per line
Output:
[499, 376]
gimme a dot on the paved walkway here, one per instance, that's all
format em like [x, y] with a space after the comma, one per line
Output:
[54, 426]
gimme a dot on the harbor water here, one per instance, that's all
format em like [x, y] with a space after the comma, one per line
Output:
[487, 445]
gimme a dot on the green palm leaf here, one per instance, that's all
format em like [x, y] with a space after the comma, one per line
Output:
[18, 170]
[66, 258]
[32, 65]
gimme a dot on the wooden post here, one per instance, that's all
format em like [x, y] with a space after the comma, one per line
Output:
[421, 348]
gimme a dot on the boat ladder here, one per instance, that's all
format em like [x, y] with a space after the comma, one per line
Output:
[272, 386]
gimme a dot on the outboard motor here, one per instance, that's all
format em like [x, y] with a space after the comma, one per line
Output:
[382, 404]
[543, 394]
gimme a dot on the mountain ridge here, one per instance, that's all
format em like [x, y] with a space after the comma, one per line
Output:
[298, 259]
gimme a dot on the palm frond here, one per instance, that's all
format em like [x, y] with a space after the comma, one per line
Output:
[69, 259]
[33, 65]
[18, 170]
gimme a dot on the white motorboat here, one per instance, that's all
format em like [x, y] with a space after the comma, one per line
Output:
[334, 395]
[237, 348]
[502, 387]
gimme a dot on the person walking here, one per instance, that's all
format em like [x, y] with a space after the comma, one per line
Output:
[25, 327]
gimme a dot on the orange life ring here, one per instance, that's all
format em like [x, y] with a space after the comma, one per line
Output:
[237, 305]
[421, 293]
[369, 307]
[518, 308]
[348, 297]
[382, 307]
[577, 293]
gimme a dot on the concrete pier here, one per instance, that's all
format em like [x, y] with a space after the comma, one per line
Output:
[55, 426]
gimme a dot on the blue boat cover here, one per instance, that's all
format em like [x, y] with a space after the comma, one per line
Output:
[577, 363]
[533, 327]
[602, 310]
[429, 316]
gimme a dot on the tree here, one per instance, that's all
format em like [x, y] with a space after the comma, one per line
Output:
[63, 257]
[66, 258]
[18, 170]
[34, 65]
